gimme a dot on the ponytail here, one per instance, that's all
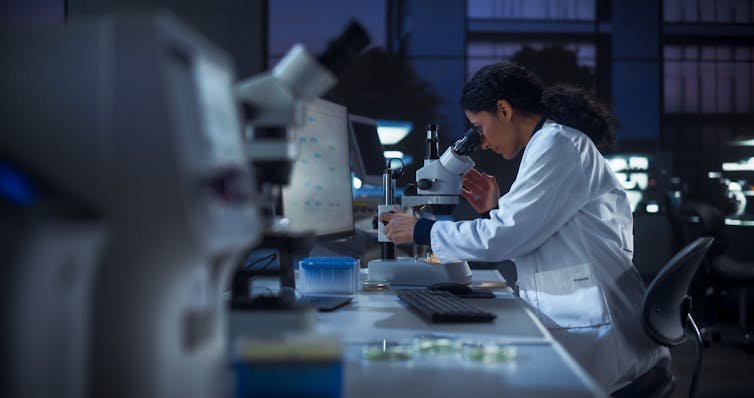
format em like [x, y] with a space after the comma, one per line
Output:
[569, 106]
[574, 107]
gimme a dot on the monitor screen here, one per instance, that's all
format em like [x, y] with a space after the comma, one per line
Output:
[318, 198]
[367, 153]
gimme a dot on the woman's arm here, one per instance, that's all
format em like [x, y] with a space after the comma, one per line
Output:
[550, 188]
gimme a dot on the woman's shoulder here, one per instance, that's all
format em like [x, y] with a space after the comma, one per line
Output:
[552, 128]
[557, 136]
[564, 142]
[561, 136]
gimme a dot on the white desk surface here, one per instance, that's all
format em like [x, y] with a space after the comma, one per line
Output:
[541, 368]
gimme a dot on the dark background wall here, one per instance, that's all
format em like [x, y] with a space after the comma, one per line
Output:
[237, 26]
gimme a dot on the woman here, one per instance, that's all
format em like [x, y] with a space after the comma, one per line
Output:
[566, 221]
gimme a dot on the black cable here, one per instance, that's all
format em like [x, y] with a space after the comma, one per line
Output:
[269, 261]
[253, 262]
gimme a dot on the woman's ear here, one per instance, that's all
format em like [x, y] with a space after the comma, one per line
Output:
[504, 109]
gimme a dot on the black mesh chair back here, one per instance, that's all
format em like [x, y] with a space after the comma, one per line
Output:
[667, 306]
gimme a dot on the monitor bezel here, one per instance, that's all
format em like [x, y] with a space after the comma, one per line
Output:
[357, 161]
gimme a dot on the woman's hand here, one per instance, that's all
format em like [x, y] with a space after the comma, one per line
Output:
[481, 190]
[400, 227]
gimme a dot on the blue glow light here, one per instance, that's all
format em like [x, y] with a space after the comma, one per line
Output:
[15, 186]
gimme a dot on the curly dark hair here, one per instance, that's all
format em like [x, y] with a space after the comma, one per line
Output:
[525, 92]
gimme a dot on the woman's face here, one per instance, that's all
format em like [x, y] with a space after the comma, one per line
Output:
[497, 132]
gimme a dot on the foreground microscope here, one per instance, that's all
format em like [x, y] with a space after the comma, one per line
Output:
[113, 272]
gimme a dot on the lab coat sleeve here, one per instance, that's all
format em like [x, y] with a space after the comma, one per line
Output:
[550, 188]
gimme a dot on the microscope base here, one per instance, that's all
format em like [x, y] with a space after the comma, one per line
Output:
[418, 272]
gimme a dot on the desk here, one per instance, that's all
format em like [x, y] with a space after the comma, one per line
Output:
[542, 368]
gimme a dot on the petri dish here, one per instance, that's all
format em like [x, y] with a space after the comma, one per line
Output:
[387, 351]
[436, 344]
[488, 352]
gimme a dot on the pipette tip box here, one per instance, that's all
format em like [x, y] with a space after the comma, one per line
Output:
[329, 275]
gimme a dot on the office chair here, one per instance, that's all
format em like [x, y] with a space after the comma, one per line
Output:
[667, 307]
[726, 268]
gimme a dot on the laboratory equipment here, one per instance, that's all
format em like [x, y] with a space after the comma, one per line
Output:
[438, 185]
[316, 204]
[367, 152]
[318, 199]
[329, 275]
[132, 121]
[387, 351]
[439, 182]
[276, 105]
[50, 254]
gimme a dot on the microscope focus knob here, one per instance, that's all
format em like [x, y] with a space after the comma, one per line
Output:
[410, 189]
[424, 184]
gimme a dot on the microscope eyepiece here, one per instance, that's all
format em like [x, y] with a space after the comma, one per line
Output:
[469, 143]
[344, 48]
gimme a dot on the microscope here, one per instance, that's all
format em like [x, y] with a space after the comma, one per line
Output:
[273, 106]
[128, 130]
[435, 195]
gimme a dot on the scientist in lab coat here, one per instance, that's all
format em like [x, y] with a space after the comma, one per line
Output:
[566, 223]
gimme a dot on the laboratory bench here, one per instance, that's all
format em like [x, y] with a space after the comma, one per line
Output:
[525, 360]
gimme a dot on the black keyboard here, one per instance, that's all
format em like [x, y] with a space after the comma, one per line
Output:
[441, 306]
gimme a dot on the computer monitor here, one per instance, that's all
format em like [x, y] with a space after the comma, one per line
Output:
[318, 197]
[367, 153]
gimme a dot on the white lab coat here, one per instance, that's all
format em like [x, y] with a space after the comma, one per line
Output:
[567, 224]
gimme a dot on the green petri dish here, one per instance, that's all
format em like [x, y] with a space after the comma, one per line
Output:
[387, 351]
[488, 352]
[436, 344]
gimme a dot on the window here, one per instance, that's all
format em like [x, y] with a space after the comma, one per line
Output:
[481, 53]
[294, 21]
[578, 10]
[708, 79]
[709, 11]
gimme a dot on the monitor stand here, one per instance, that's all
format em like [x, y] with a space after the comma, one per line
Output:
[418, 272]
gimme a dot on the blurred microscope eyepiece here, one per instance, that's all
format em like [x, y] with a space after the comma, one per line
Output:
[341, 51]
